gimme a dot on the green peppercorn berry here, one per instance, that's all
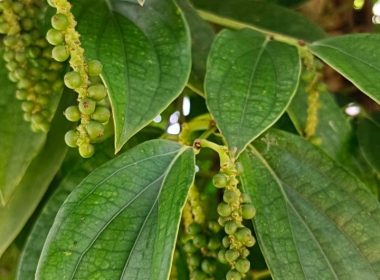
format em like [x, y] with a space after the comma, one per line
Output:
[221, 256]
[246, 198]
[27, 24]
[27, 117]
[101, 114]
[250, 242]
[230, 227]
[189, 247]
[208, 265]
[220, 180]
[20, 57]
[35, 72]
[213, 243]
[45, 113]
[60, 22]
[4, 28]
[35, 127]
[55, 37]
[71, 138]
[6, 4]
[17, 7]
[34, 52]
[37, 118]
[223, 220]
[199, 241]
[46, 53]
[73, 80]
[104, 102]
[55, 66]
[243, 234]
[9, 56]
[42, 43]
[94, 129]
[72, 113]
[60, 53]
[41, 87]
[226, 242]
[231, 255]
[198, 275]
[248, 211]
[45, 126]
[22, 94]
[224, 209]
[233, 275]
[24, 84]
[95, 80]
[12, 65]
[95, 68]
[51, 76]
[43, 100]
[194, 229]
[10, 40]
[57, 85]
[27, 38]
[43, 63]
[194, 260]
[321, 87]
[242, 265]
[244, 252]
[21, 73]
[307, 76]
[97, 92]
[230, 196]
[239, 168]
[213, 226]
[51, 3]
[12, 77]
[86, 150]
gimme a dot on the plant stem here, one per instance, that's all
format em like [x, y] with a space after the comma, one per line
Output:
[197, 91]
[261, 274]
[238, 25]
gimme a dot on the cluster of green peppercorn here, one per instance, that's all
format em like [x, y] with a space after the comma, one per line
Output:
[235, 207]
[93, 110]
[201, 246]
[28, 58]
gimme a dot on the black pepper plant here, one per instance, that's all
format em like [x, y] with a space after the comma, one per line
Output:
[209, 145]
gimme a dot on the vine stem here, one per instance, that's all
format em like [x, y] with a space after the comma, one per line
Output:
[261, 274]
[237, 25]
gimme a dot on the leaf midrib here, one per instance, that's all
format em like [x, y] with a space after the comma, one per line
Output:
[180, 151]
[288, 202]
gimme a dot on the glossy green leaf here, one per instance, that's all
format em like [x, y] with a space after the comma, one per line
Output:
[356, 57]
[74, 171]
[264, 17]
[334, 133]
[146, 55]
[368, 133]
[36, 180]
[250, 81]
[77, 171]
[202, 37]
[122, 221]
[314, 219]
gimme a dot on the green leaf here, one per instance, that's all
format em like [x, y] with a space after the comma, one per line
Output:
[313, 217]
[36, 180]
[368, 133]
[122, 221]
[74, 171]
[250, 81]
[263, 17]
[77, 171]
[146, 56]
[334, 132]
[202, 37]
[354, 56]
